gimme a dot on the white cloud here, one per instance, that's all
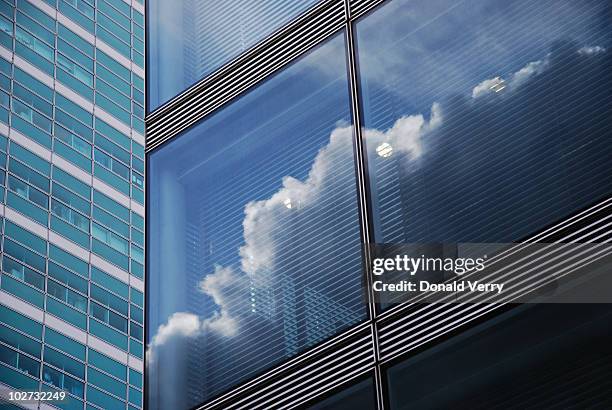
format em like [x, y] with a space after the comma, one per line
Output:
[524, 74]
[185, 324]
[486, 87]
[406, 134]
[588, 50]
[516, 79]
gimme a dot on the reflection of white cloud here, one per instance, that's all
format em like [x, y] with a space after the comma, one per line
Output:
[485, 87]
[179, 324]
[524, 74]
[406, 134]
[262, 218]
[591, 50]
[518, 78]
[215, 286]
[185, 324]
[265, 220]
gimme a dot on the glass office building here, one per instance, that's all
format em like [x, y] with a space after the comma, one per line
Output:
[72, 184]
[284, 137]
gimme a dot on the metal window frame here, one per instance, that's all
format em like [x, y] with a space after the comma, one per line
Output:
[385, 337]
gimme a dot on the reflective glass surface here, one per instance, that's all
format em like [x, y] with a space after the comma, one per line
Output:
[359, 396]
[484, 120]
[254, 247]
[535, 356]
[187, 39]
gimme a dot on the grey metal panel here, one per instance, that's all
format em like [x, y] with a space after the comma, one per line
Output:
[246, 71]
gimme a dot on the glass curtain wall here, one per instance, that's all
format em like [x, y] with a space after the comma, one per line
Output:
[483, 121]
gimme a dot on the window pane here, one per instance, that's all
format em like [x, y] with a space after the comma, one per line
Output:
[525, 358]
[189, 40]
[359, 396]
[254, 214]
[482, 122]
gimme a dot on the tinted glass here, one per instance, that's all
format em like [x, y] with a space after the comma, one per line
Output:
[536, 356]
[485, 120]
[359, 396]
[254, 247]
[190, 39]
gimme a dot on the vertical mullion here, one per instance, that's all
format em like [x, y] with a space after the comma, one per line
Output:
[363, 196]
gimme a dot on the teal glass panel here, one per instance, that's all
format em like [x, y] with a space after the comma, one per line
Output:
[25, 237]
[109, 282]
[113, 134]
[112, 108]
[29, 175]
[24, 255]
[66, 277]
[74, 109]
[136, 314]
[138, 221]
[69, 198]
[22, 272]
[136, 348]
[111, 221]
[37, 14]
[30, 131]
[75, 84]
[71, 182]
[105, 382]
[113, 65]
[68, 260]
[108, 299]
[107, 364]
[137, 297]
[64, 343]
[20, 341]
[22, 291]
[67, 295]
[34, 84]
[31, 24]
[137, 237]
[27, 208]
[65, 363]
[111, 205]
[108, 334]
[103, 400]
[135, 397]
[76, 16]
[21, 322]
[66, 313]
[135, 378]
[70, 232]
[76, 40]
[16, 379]
[69, 403]
[137, 269]
[62, 381]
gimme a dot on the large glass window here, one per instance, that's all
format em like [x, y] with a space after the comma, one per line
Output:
[535, 356]
[190, 39]
[359, 396]
[484, 120]
[254, 246]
